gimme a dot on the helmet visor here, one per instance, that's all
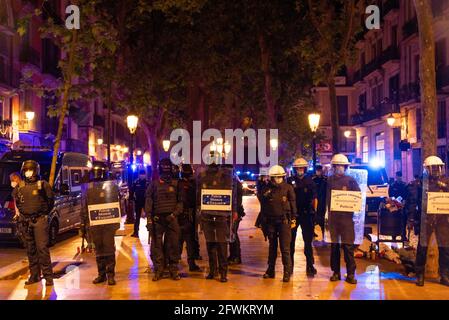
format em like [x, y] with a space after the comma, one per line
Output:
[435, 171]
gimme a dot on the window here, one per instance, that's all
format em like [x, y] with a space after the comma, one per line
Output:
[441, 119]
[75, 177]
[362, 102]
[394, 88]
[343, 112]
[379, 47]
[365, 149]
[440, 54]
[394, 36]
[380, 147]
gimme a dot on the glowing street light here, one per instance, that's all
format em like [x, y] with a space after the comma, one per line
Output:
[391, 120]
[99, 141]
[29, 115]
[132, 121]
[347, 133]
[314, 122]
[166, 145]
[274, 143]
[227, 147]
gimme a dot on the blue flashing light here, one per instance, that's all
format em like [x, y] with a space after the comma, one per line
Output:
[376, 163]
[248, 172]
[134, 167]
[238, 173]
[252, 174]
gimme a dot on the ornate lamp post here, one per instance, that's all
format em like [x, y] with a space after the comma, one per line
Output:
[314, 122]
[131, 121]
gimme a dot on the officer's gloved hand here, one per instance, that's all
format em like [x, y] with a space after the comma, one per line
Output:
[293, 223]
[410, 224]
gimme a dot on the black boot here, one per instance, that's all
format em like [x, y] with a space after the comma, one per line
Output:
[351, 279]
[420, 280]
[223, 275]
[101, 266]
[286, 277]
[110, 269]
[49, 282]
[174, 274]
[32, 280]
[193, 266]
[270, 273]
[335, 277]
[310, 270]
[158, 275]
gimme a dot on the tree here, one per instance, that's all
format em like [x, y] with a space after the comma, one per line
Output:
[428, 102]
[329, 44]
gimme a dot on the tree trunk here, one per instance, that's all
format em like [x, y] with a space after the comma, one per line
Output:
[268, 79]
[334, 113]
[428, 103]
[64, 107]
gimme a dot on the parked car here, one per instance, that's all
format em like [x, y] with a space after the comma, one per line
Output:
[377, 187]
[70, 169]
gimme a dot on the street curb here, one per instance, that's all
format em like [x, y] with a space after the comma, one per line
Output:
[14, 270]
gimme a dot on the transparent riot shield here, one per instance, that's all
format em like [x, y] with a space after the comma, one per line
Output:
[346, 207]
[434, 211]
[103, 204]
[216, 199]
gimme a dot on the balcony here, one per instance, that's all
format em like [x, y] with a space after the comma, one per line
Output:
[443, 77]
[99, 121]
[410, 28]
[389, 6]
[438, 7]
[373, 113]
[389, 54]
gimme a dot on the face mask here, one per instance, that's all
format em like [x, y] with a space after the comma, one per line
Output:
[340, 170]
[278, 180]
[28, 174]
[14, 184]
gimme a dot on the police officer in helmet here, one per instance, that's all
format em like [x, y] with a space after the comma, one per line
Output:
[35, 200]
[163, 205]
[434, 181]
[139, 187]
[306, 204]
[278, 207]
[186, 219]
[341, 224]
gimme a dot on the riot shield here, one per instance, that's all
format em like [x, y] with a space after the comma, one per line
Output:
[346, 207]
[103, 205]
[434, 211]
[216, 198]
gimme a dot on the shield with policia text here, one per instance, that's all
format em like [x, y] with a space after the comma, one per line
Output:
[103, 203]
[216, 201]
[346, 208]
[435, 210]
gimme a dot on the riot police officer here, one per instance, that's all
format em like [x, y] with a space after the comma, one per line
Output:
[341, 224]
[186, 219]
[235, 254]
[34, 199]
[321, 184]
[433, 181]
[306, 204]
[398, 188]
[163, 205]
[102, 235]
[278, 206]
[216, 223]
[139, 187]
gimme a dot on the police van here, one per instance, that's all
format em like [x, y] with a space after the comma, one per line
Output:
[71, 169]
[377, 188]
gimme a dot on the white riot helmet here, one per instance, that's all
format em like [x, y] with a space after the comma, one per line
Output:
[277, 174]
[300, 163]
[434, 166]
[276, 171]
[340, 159]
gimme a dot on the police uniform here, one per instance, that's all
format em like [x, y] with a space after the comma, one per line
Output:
[186, 221]
[438, 224]
[321, 185]
[139, 187]
[341, 225]
[216, 225]
[235, 254]
[163, 204]
[305, 191]
[278, 206]
[35, 200]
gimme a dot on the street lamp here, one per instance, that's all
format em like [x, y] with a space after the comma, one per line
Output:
[274, 143]
[347, 134]
[131, 121]
[314, 122]
[166, 145]
[227, 148]
[29, 115]
[391, 120]
[99, 141]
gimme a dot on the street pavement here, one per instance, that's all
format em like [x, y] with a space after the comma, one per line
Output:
[377, 279]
